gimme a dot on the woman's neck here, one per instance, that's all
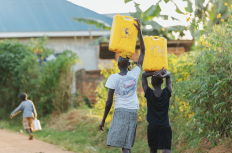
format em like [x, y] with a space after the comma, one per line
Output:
[123, 71]
[157, 88]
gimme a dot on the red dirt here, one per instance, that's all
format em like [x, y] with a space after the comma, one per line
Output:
[11, 142]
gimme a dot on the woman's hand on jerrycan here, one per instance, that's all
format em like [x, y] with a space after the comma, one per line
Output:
[138, 26]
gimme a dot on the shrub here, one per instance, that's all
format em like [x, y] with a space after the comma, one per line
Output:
[202, 84]
[177, 67]
[48, 84]
[210, 86]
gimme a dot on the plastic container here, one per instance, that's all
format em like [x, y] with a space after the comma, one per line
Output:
[36, 125]
[123, 34]
[156, 53]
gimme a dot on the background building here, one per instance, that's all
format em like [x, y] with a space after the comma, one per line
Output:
[26, 19]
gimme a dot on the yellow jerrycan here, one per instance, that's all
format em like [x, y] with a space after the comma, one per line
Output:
[156, 53]
[123, 34]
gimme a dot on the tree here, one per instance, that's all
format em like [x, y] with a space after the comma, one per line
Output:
[210, 10]
[146, 18]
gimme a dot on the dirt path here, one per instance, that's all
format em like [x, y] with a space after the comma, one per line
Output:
[17, 143]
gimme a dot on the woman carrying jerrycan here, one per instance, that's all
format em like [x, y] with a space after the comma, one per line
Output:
[124, 84]
[122, 131]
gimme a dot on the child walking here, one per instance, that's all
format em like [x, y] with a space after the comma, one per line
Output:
[159, 131]
[124, 84]
[29, 113]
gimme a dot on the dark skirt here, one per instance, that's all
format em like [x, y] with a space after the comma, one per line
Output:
[159, 137]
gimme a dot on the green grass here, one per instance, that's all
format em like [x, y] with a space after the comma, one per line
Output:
[78, 133]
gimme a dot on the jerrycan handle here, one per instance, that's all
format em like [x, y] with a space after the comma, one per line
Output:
[128, 17]
[155, 37]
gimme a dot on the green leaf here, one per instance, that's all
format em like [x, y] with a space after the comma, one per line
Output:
[176, 28]
[178, 10]
[165, 17]
[173, 18]
[98, 23]
[154, 24]
[189, 8]
[138, 14]
[166, 1]
[126, 1]
[153, 11]
[137, 8]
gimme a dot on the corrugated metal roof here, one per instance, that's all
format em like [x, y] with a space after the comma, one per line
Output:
[44, 15]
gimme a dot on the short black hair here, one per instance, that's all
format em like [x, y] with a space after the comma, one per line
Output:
[23, 96]
[156, 81]
[123, 62]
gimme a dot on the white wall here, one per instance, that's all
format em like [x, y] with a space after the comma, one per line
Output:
[87, 54]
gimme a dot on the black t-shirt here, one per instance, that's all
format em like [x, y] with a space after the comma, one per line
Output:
[157, 108]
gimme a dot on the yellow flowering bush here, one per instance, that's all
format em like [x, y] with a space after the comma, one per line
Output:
[177, 66]
[219, 15]
[180, 68]
[202, 84]
[188, 19]
[209, 89]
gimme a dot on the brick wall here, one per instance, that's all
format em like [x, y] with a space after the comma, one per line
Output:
[176, 50]
[86, 83]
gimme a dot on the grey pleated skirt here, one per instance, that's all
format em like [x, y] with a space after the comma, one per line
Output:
[122, 130]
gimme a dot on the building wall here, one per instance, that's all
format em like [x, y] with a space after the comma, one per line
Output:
[176, 50]
[78, 45]
[86, 83]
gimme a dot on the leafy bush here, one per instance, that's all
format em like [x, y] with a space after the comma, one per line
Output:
[209, 89]
[11, 55]
[202, 85]
[177, 67]
[102, 91]
[48, 84]
[55, 84]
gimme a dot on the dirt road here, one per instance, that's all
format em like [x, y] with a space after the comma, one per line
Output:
[11, 142]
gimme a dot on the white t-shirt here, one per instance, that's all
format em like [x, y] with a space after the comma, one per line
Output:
[125, 89]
